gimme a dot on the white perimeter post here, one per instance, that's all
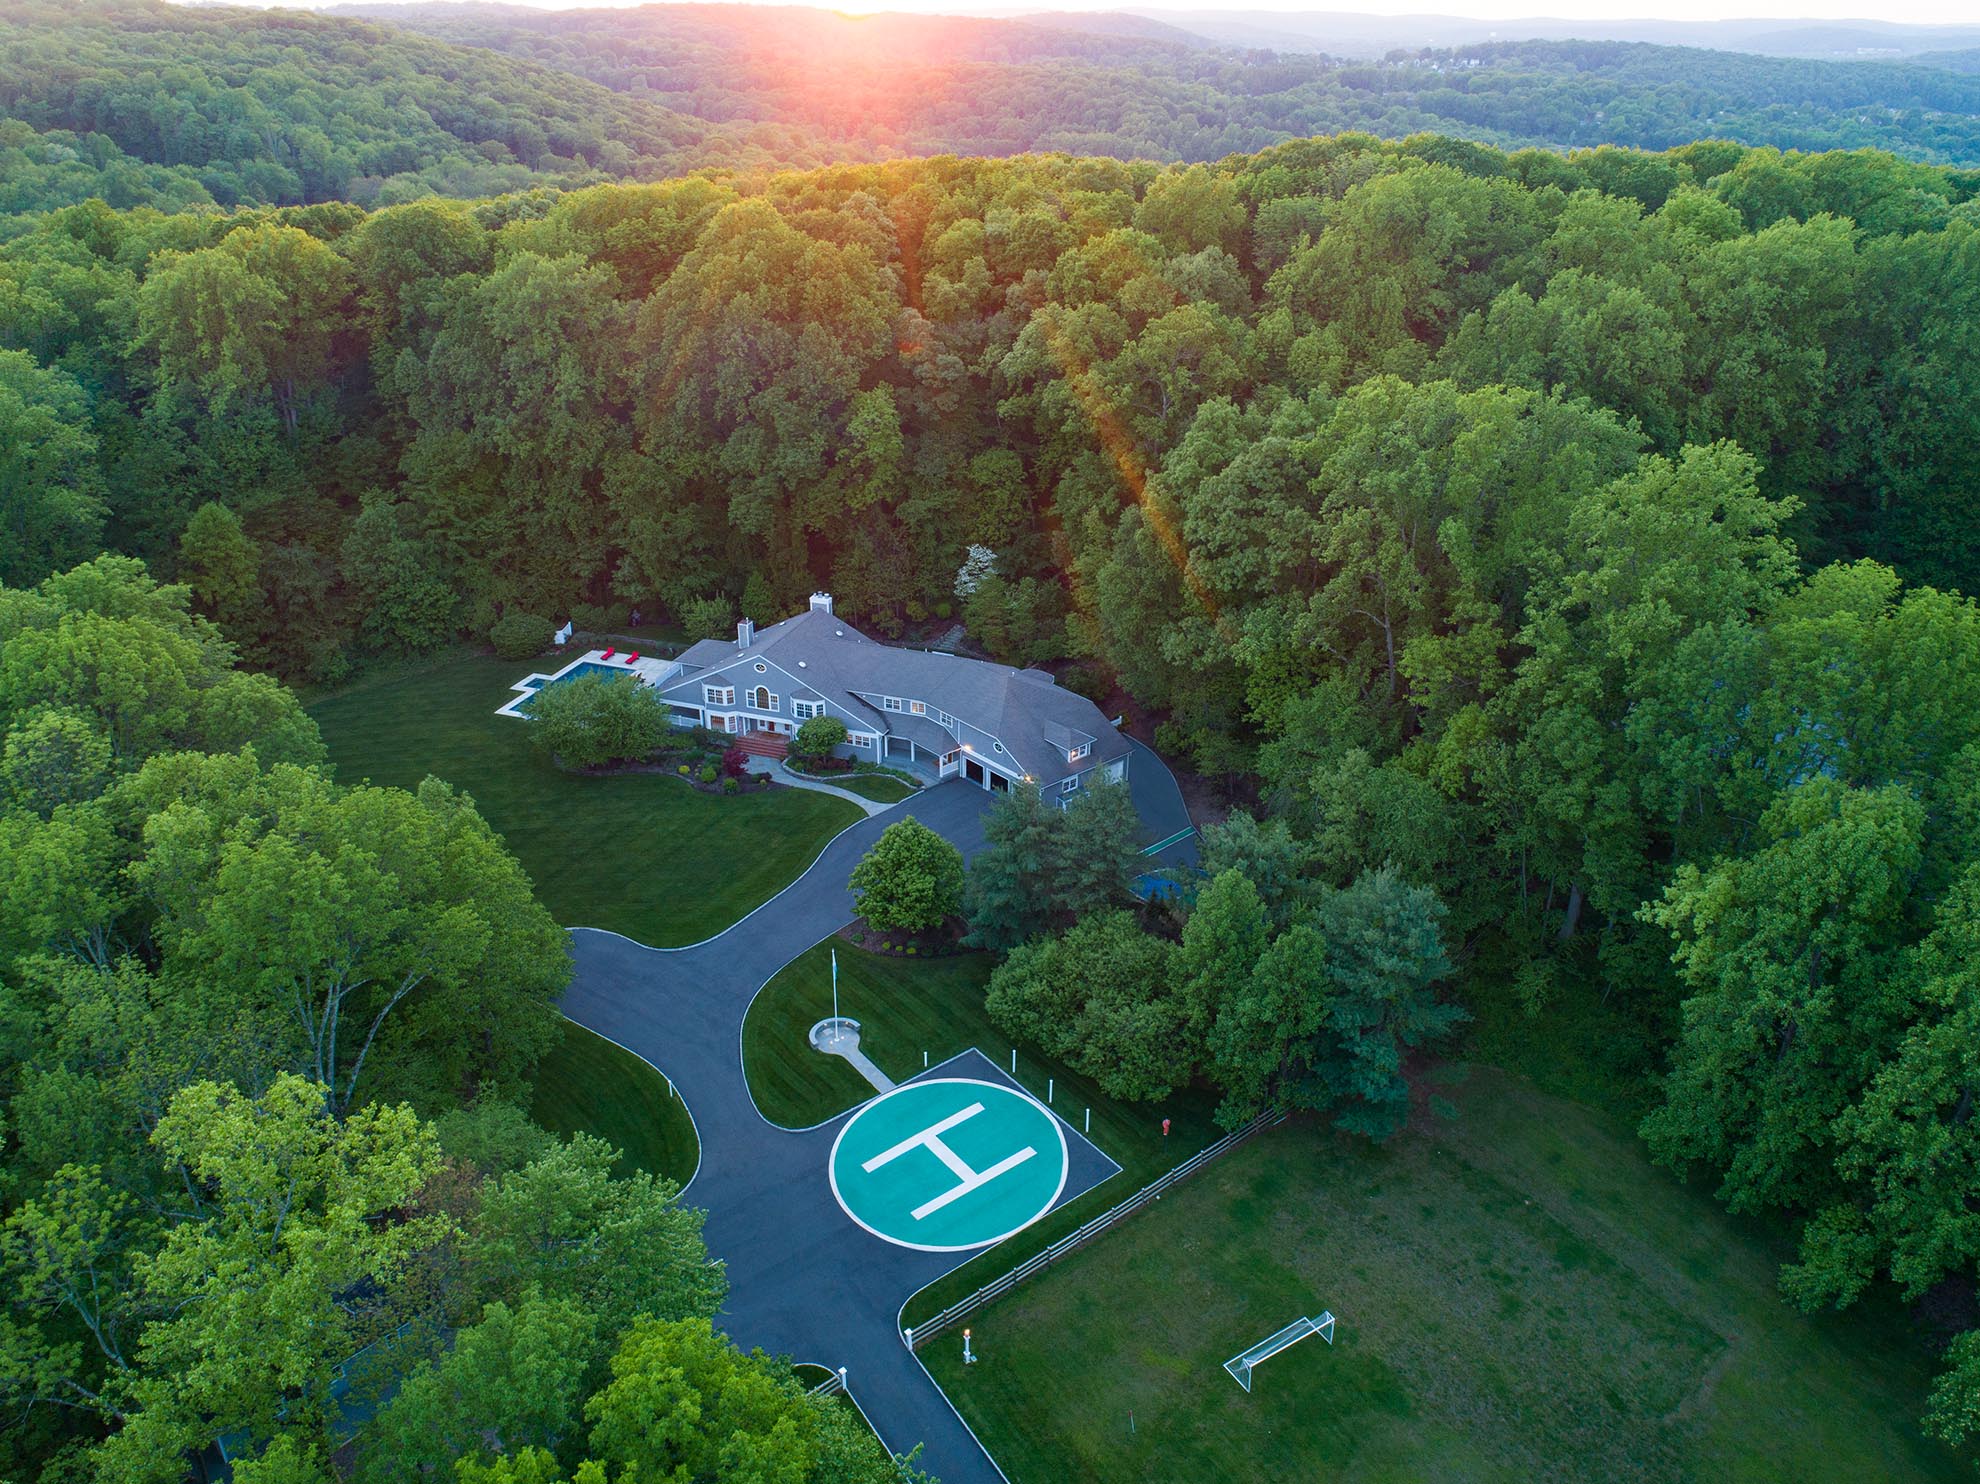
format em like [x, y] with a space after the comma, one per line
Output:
[1014, 1061]
[1048, 1088]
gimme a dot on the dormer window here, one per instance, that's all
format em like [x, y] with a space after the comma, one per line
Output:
[890, 703]
[918, 708]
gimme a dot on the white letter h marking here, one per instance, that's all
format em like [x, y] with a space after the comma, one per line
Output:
[967, 1179]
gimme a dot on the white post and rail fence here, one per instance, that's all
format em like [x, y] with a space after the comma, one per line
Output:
[917, 1334]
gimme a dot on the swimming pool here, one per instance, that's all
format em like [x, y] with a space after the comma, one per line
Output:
[576, 672]
[583, 668]
[652, 670]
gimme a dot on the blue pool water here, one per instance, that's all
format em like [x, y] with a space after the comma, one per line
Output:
[581, 668]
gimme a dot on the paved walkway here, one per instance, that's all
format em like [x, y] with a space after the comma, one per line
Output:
[804, 1280]
[769, 767]
[846, 1043]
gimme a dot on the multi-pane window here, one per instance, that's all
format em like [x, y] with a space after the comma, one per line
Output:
[861, 739]
[719, 695]
[805, 710]
[890, 703]
[763, 699]
[918, 708]
[1069, 786]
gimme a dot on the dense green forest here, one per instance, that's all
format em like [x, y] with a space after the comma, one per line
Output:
[924, 85]
[138, 102]
[1563, 553]
[143, 103]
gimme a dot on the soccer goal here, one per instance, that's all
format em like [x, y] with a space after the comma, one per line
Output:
[1240, 1365]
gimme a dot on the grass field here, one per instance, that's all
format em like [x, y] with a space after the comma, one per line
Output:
[907, 1006]
[1520, 1296]
[876, 786]
[641, 854]
[588, 1085]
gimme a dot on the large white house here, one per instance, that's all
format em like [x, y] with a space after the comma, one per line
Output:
[949, 716]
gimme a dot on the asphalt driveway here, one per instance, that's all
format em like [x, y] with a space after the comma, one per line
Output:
[805, 1281]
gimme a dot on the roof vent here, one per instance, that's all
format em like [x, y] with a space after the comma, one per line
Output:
[800, 664]
[821, 602]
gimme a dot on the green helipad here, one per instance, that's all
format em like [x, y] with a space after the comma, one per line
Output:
[949, 1164]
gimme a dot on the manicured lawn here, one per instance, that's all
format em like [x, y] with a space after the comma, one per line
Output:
[876, 786]
[1520, 1296]
[908, 1006]
[641, 854]
[588, 1085]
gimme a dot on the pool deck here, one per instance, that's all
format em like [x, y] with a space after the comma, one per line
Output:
[651, 668]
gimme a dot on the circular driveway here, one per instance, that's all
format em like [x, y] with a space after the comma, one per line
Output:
[805, 1280]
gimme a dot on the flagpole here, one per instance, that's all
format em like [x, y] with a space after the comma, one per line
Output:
[835, 991]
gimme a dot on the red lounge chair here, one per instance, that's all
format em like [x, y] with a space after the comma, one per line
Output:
[633, 656]
[608, 654]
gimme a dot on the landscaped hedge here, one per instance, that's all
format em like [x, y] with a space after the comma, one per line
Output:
[517, 636]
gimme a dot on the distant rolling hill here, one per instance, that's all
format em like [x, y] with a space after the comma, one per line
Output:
[1349, 34]
[140, 102]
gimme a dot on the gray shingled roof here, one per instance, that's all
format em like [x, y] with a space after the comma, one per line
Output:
[1036, 720]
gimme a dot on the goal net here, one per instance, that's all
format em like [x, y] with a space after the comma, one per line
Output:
[1240, 1366]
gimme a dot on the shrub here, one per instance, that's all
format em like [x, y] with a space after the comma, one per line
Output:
[817, 737]
[596, 619]
[683, 770]
[911, 879]
[730, 785]
[1099, 998]
[735, 762]
[707, 774]
[713, 617]
[598, 719]
[517, 636]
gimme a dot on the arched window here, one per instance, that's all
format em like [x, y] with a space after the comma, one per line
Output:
[760, 699]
